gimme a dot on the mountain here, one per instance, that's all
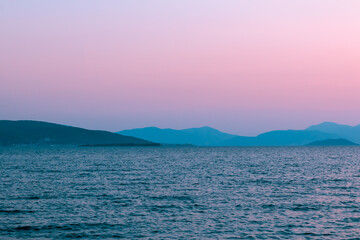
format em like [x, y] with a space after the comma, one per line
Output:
[345, 131]
[280, 138]
[35, 132]
[204, 136]
[332, 142]
[207, 136]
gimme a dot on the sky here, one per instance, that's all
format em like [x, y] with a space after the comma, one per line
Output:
[241, 66]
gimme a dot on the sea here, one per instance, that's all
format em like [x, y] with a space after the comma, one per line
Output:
[179, 192]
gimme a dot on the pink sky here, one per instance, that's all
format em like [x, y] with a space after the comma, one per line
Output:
[240, 66]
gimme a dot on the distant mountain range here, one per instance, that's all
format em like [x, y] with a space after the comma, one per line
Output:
[348, 132]
[44, 133]
[204, 136]
[207, 136]
[280, 138]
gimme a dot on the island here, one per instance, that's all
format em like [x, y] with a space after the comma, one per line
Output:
[333, 142]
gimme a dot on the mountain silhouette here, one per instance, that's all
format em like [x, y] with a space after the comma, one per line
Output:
[203, 136]
[345, 131]
[207, 136]
[332, 142]
[36, 132]
[280, 138]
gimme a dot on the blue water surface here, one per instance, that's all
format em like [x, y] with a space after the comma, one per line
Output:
[180, 192]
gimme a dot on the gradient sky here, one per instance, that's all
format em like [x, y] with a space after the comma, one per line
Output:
[242, 66]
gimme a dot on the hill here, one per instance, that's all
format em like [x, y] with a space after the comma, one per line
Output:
[44, 133]
[345, 131]
[279, 138]
[207, 136]
[204, 136]
[333, 142]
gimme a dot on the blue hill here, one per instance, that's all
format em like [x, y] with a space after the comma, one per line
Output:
[203, 136]
[349, 132]
[332, 142]
[44, 133]
[280, 138]
[207, 136]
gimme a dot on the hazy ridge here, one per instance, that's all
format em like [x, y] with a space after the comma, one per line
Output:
[44, 133]
[207, 136]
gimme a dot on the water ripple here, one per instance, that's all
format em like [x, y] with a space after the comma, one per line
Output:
[180, 193]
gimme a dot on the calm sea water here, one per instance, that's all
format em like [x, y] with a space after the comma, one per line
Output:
[180, 193]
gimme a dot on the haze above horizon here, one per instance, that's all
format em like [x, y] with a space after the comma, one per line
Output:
[244, 67]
